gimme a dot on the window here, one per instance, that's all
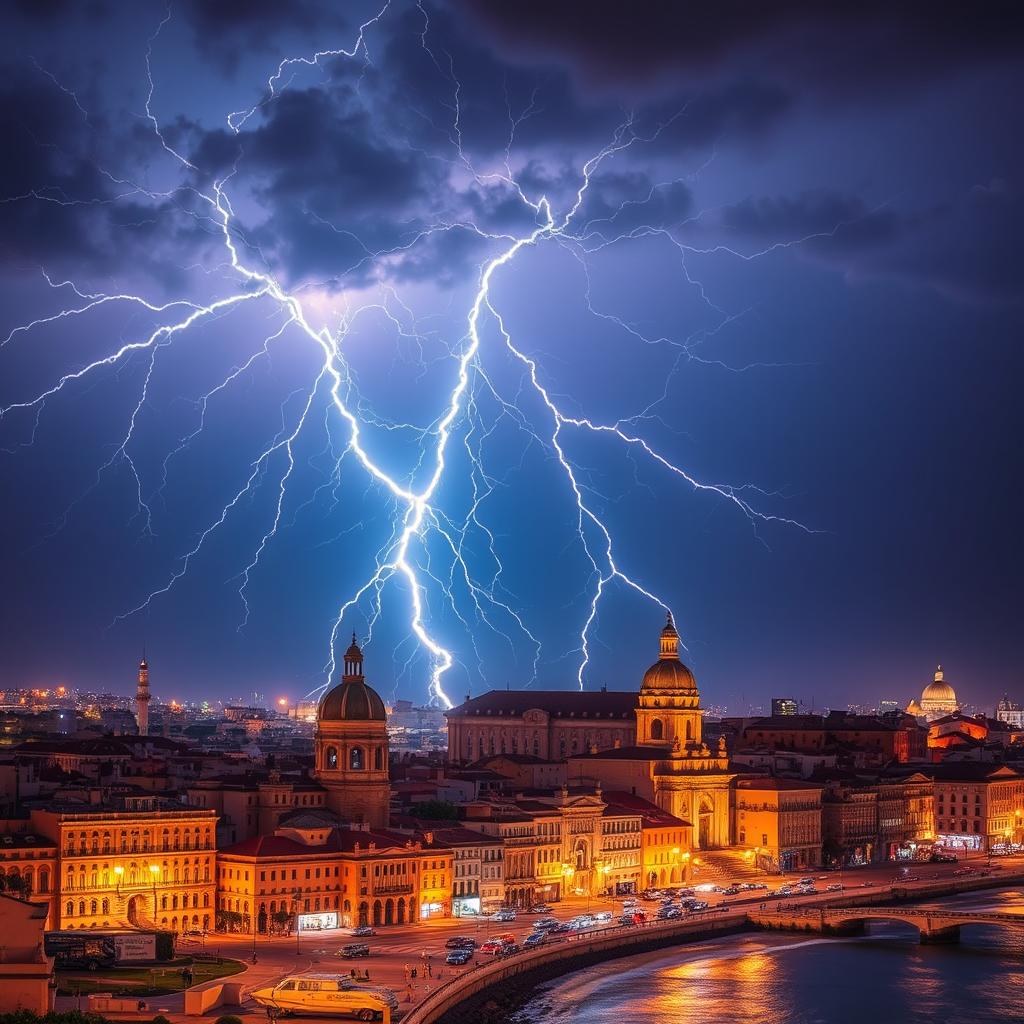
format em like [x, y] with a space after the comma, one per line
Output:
[378, 759]
[355, 759]
[331, 757]
[657, 729]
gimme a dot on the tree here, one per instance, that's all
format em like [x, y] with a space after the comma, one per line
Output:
[436, 810]
[14, 884]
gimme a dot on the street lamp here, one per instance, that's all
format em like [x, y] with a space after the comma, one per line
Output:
[567, 872]
[118, 872]
[295, 921]
[686, 865]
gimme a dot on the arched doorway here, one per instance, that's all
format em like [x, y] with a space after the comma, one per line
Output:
[138, 911]
[389, 912]
[376, 912]
[364, 915]
[401, 911]
[705, 822]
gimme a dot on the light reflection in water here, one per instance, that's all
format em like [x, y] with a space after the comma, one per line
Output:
[754, 979]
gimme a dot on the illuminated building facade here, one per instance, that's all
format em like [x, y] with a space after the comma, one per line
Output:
[978, 806]
[32, 860]
[318, 876]
[115, 869]
[779, 820]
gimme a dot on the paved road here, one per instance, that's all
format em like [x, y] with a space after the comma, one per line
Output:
[398, 946]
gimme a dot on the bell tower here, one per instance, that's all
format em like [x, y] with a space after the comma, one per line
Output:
[352, 747]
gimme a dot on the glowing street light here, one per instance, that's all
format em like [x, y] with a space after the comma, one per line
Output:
[118, 872]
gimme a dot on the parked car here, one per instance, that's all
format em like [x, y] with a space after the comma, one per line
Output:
[540, 908]
[834, 887]
[508, 948]
[602, 916]
[460, 942]
[363, 931]
[535, 939]
[544, 923]
[458, 957]
[491, 947]
[354, 949]
[505, 915]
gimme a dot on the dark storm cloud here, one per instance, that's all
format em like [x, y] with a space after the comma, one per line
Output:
[619, 203]
[227, 30]
[843, 46]
[967, 249]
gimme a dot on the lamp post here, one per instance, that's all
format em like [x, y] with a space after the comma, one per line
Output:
[118, 872]
[686, 866]
[295, 921]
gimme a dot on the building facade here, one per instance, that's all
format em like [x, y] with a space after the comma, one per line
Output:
[139, 869]
[779, 820]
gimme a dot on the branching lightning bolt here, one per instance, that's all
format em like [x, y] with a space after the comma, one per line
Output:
[417, 514]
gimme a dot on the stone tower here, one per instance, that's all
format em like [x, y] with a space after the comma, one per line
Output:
[352, 747]
[142, 698]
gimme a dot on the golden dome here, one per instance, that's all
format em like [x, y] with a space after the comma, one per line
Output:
[939, 691]
[668, 674]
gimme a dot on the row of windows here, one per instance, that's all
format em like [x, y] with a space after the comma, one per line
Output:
[135, 875]
[137, 841]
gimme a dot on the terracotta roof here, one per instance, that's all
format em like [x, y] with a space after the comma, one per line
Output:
[599, 705]
[653, 815]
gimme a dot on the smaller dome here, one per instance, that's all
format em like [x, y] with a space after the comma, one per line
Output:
[669, 674]
[352, 701]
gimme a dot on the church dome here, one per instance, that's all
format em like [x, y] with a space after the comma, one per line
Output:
[938, 691]
[352, 700]
[668, 673]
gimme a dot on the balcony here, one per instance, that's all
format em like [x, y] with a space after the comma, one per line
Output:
[394, 889]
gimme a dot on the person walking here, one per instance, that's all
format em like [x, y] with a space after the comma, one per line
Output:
[407, 974]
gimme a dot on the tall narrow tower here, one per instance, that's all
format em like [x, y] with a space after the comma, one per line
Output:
[142, 698]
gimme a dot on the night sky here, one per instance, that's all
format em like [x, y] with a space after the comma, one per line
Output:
[772, 294]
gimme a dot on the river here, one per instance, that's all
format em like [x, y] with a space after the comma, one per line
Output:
[755, 978]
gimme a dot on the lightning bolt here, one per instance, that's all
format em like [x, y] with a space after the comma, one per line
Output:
[461, 426]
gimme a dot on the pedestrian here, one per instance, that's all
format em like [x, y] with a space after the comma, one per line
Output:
[408, 994]
[366, 975]
[352, 973]
[406, 973]
[430, 970]
[414, 974]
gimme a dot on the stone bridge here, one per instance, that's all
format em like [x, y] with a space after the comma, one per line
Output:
[933, 925]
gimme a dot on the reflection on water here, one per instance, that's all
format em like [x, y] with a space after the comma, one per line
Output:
[750, 979]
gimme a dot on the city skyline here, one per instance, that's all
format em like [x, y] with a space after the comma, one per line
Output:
[726, 328]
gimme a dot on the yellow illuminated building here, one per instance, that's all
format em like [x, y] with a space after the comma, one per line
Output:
[116, 869]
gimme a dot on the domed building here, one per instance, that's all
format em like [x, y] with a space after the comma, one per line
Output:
[669, 704]
[352, 747]
[937, 699]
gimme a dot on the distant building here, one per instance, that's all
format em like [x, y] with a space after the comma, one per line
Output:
[780, 821]
[142, 698]
[1010, 712]
[784, 706]
[938, 699]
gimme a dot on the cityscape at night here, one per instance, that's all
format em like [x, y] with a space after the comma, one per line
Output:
[510, 512]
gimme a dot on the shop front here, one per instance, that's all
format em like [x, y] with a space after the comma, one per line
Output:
[466, 906]
[428, 910]
[959, 841]
[318, 922]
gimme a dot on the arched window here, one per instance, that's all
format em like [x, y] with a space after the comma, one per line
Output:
[378, 759]
[70, 909]
[331, 757]
[106, 906]
[657, 729]
[355, 759]
[689, 729]
[44, 880]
